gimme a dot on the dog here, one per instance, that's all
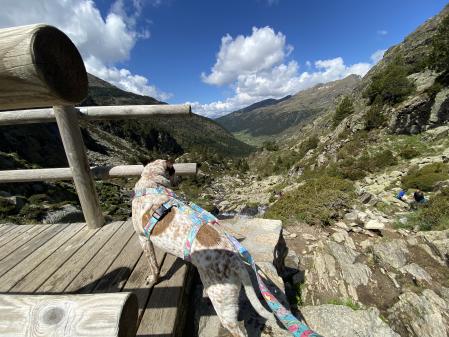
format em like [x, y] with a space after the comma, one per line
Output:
[221, 270]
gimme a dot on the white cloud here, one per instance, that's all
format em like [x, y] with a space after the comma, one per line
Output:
[382, 32]
[255, 67]
[377, 55]
[101, 41]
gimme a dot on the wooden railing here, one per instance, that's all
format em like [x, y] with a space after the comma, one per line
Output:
[41, 67]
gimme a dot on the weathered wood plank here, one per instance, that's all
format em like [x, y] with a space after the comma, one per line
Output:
[16, 273]
[95, 113]
[137, 280]
[67, 120]
[29, 247]
[39, 66]
[163, 303]
[99, 172]
[62, 277]
[41, 273]
[118, 272]
[102, 315]
[21, 239]
[13, 233]
[86, 280]
[6, 228]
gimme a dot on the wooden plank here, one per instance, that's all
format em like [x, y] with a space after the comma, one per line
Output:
[137, 280]
[98, 172]
[96, 113]
[67, 120]
[86, 280]
[62, 277]
[13, 233]
[8, 280]
[39, 67]
[29, 247]
[5, 228]
[118, 272]
[164, 301]
[21, 239]
[101, 315]
[41, 273]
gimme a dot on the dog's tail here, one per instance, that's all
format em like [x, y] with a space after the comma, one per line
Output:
[251, 294]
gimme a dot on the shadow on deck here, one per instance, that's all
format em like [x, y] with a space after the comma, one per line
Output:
[70, 258]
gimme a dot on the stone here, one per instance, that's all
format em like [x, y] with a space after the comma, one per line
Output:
[351, 217]
[418, 273]
[337, 320]
[374, 224]
[342, 225]
[420, 315]
[356, 229]
[392, 253]
[366, 244]
[68, 213]
[308, 237]
[438, 241]
[439, 108]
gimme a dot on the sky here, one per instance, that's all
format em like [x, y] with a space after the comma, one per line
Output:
[221, 56]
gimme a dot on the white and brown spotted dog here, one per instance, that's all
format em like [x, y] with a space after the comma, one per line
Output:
[219, 266]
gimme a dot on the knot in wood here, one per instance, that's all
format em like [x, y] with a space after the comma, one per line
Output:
[53, 315]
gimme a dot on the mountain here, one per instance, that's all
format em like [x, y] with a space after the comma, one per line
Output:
[261, 119]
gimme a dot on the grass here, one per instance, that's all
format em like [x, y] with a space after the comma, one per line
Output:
[346, 302]
[426, 177]
[320, 201]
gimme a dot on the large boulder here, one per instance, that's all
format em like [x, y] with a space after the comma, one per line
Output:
[337, 321]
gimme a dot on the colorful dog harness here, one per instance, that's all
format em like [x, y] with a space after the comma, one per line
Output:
[200, 217]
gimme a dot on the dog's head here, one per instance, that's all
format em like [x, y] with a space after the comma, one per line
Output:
[158, 172]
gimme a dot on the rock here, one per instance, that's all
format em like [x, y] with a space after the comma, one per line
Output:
[438, 241]
[437, 133]
[68, 213]
[418, 273]
[440, 112]
[420, 315]
[342, 225]
[351, 217]
[338, 320]
[393, 253]
[411, 115]
[338, 237]
[374, 224]
[308, 237]
[365, 244]
[423, 80]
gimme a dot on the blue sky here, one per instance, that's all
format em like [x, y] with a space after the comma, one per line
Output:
[268, 48]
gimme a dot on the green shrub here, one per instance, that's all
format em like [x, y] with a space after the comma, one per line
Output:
[320, 200]
[270, 146]
[344, 109]
[439, 54]
[390, 85]
[374, 118]
[408, 152]
[310, 143]
[426, 177]
[381, 160]
[6, 206]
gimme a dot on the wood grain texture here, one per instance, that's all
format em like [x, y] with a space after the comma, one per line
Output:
[164, 300]
[15, 231]
[102, 315]
[64, 275]
[39, 66]
[30, 116]
[98, 172]
[24, 267]
[20, 240]
[67, 120]
[32, 281]
[86, 280]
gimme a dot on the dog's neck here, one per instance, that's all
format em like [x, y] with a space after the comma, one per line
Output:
[152, 181]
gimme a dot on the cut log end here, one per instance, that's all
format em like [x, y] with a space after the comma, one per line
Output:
[59, 64]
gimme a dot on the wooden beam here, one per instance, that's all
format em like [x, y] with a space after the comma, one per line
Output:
[107, 315]
[98, 172]
[31, 116]
[39, 66]
[67, 120]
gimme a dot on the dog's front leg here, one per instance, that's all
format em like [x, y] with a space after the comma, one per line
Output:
[148, 249]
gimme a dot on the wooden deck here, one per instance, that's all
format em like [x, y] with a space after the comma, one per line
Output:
[70, 258]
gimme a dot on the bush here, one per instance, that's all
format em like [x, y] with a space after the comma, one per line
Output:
[270, 146]
[374, 118]
[426, 177]
[381, 160]
[344, 109]
[310, 143]
[439, 54]
[390, 85]
[408, 152]
[321, 200]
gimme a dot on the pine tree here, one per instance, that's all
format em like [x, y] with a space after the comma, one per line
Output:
[344, 109]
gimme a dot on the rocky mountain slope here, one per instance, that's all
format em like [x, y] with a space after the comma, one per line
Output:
[285, 113]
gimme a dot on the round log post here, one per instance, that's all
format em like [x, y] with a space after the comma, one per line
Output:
[106, 315]
[39, 67]
[67, 120]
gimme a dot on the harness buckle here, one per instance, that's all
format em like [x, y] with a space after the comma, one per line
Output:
[161, 212]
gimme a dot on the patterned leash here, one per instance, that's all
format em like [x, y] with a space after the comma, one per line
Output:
[199, 217]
